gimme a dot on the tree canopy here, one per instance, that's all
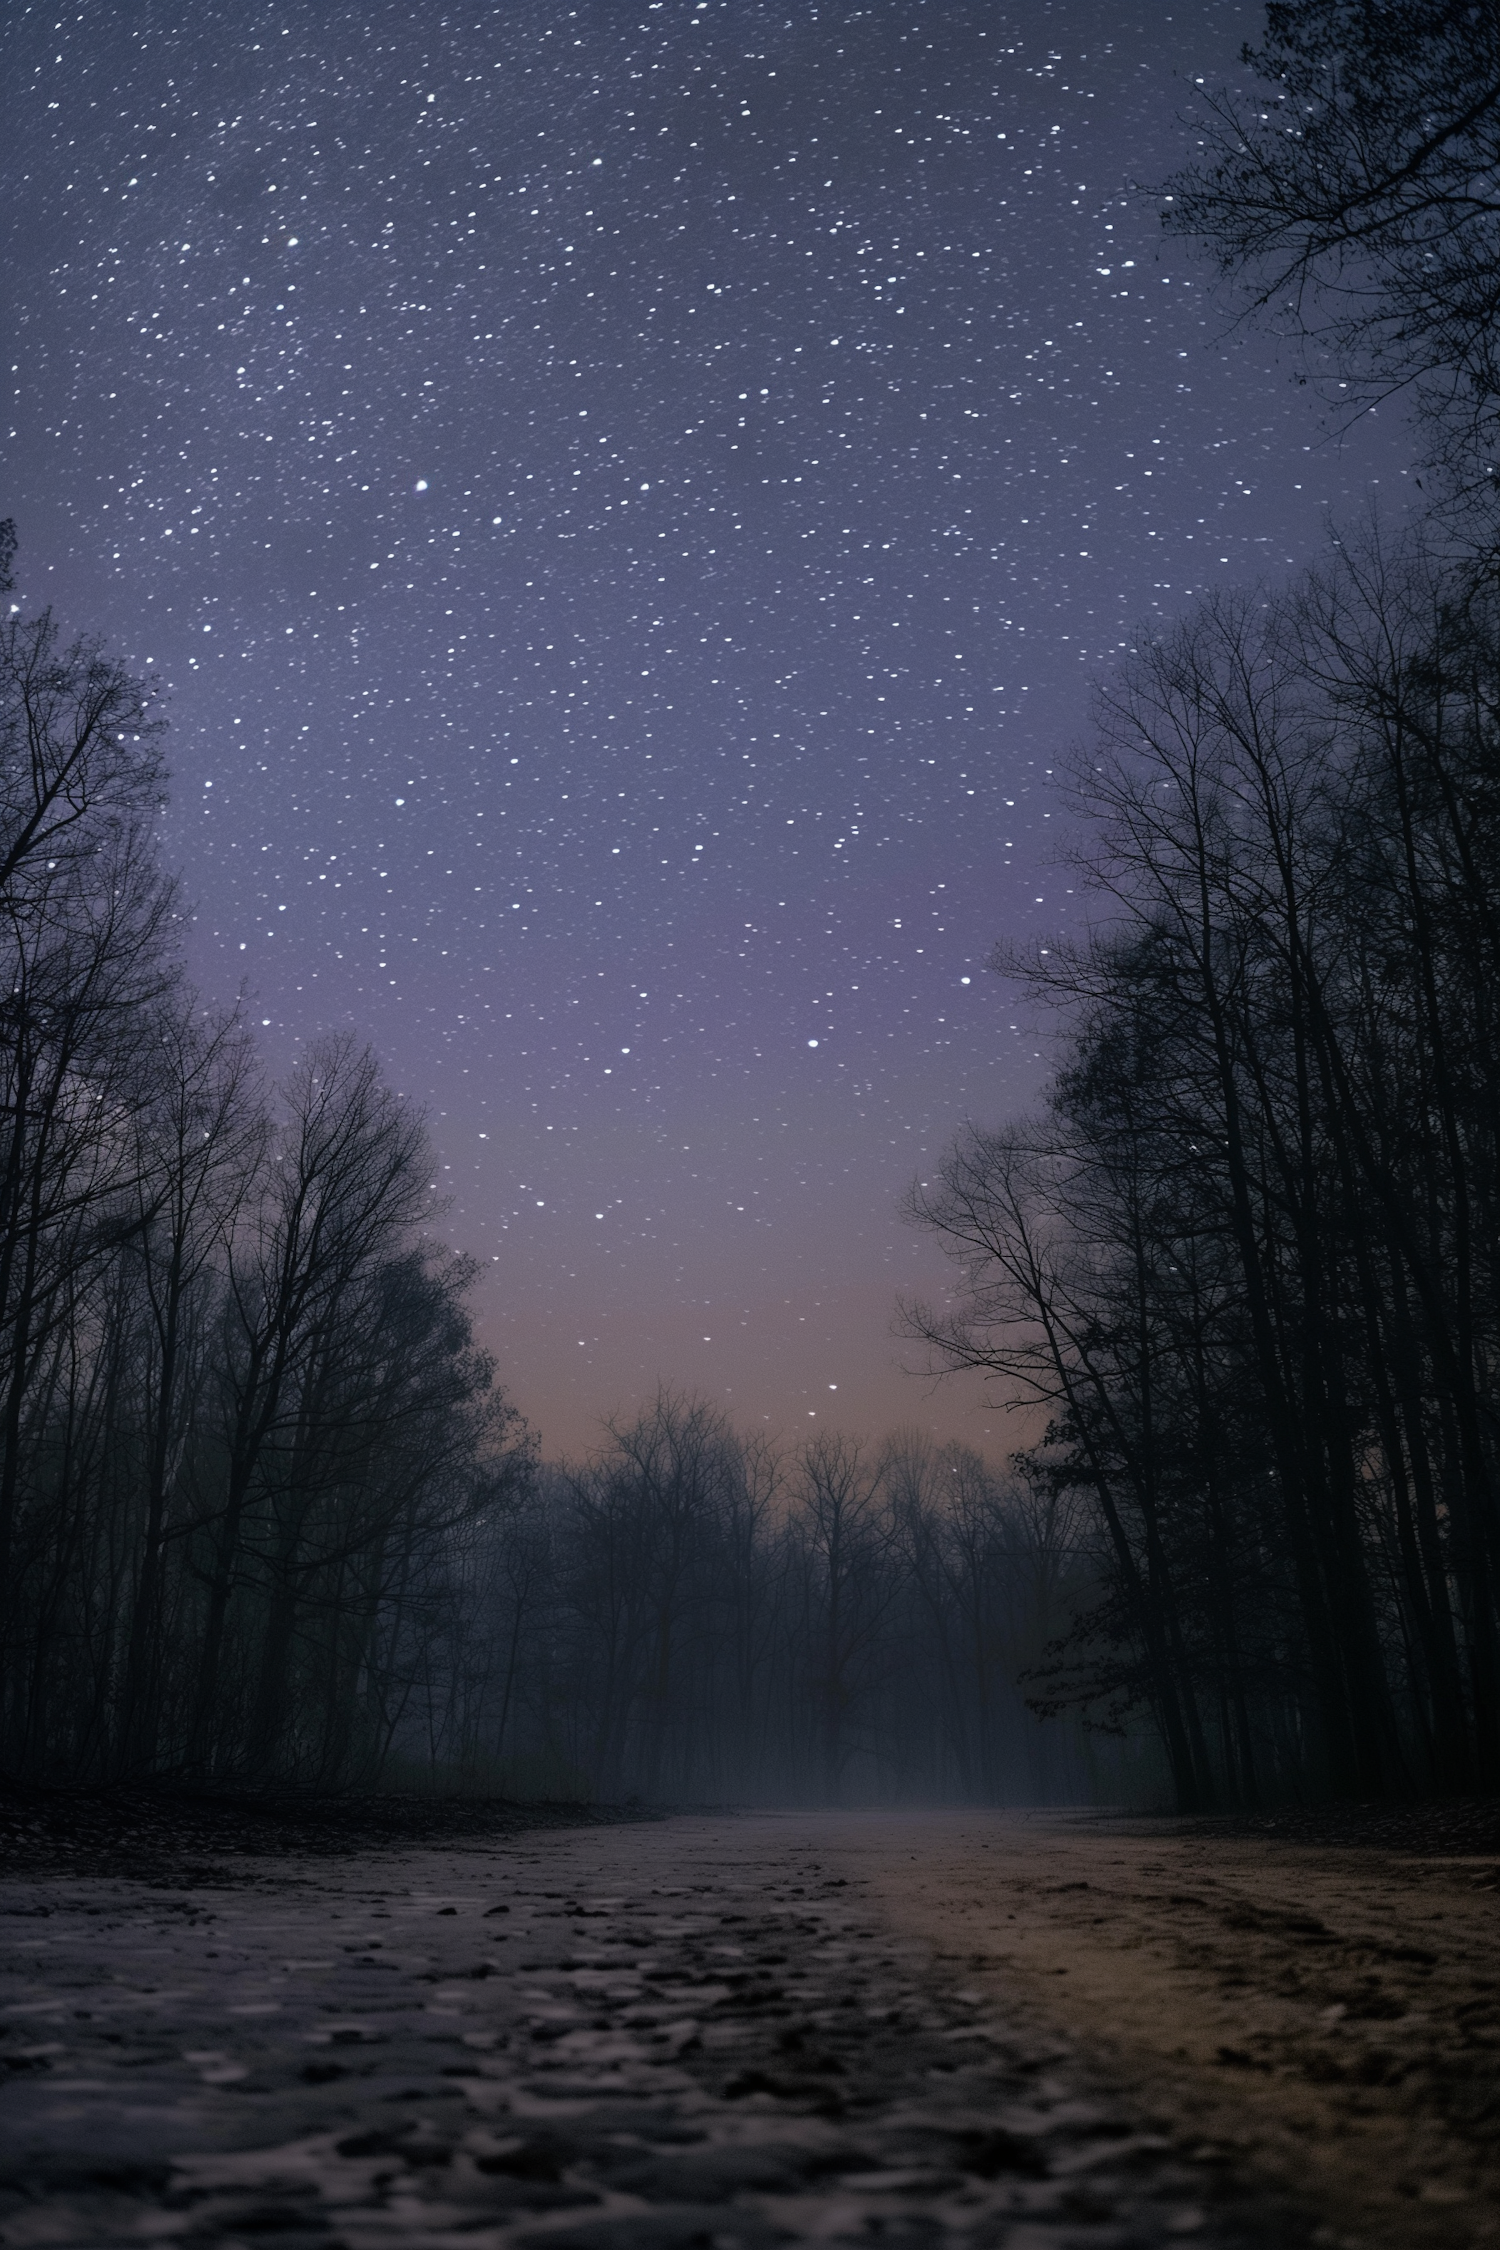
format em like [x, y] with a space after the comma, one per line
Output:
[1357, 198]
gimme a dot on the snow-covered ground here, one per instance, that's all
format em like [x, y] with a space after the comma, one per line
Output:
[696, 2031]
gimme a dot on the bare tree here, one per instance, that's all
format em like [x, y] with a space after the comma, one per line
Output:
[202, 1145]
[845, 1537]
[79, 748]
[349, 1181]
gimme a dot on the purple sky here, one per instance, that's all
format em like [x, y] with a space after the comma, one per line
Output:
[629, 501]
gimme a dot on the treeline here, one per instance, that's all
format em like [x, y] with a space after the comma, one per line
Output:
[241, 1411]
[698, 1615]
[1248, 1257]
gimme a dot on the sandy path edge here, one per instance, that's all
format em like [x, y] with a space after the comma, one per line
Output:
[1328, 2020]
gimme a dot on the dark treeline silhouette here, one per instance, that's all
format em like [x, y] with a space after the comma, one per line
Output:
[1248, 1258]
[241, 1411]
[696, 1614]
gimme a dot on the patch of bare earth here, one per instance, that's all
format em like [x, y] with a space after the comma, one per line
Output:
[1325, 2018]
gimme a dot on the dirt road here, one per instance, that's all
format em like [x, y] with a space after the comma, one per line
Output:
[731, 2032]
[1325, 2020]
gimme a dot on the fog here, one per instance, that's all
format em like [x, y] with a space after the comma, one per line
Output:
[695, 1615]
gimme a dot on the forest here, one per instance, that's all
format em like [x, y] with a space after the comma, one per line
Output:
[1246, 1260]
[265, 1512]
[268, 1516]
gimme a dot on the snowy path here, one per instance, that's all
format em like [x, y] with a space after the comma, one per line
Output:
[687, 2032]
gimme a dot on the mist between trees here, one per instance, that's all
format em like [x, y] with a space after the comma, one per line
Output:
[266, 1516]
[699, 1614]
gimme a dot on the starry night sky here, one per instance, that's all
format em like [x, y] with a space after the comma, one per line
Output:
[628, 502]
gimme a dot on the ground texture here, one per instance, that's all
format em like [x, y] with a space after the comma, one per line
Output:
[743, 2032]
[1323, 2016]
